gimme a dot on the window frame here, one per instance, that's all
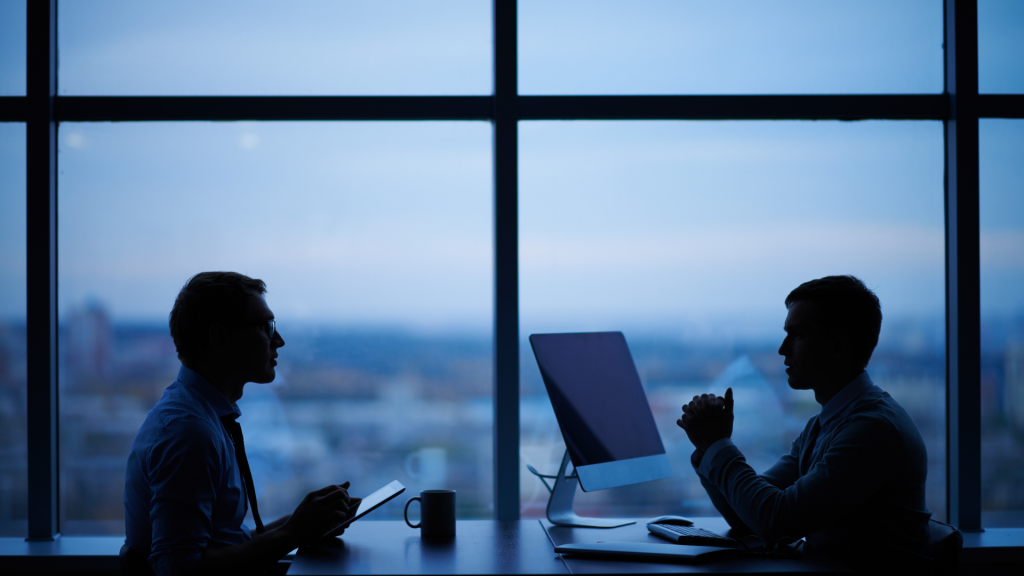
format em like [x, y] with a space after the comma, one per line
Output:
[959, 107]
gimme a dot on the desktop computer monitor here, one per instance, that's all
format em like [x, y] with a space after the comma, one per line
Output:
[601, 408]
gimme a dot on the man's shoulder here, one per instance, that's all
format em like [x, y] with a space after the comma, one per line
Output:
[880, 411]
[878, 403]
[178, 416]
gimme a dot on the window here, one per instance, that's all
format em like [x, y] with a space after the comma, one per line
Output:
[12, 49]
[730, 47]
[13, 366]
[1002, 321]
[413, 86]
[1000, 47]
[374, 241]
[687, 237]
[313, 47]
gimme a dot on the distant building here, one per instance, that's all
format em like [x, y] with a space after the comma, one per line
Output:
[88, 346]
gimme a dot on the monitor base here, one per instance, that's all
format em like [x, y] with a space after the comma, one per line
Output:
[560, 504]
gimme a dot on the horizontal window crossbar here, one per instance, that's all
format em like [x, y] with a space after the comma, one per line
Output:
[13, 108]
[782, 107]
[142, 108]
[785, 107]
[1001, 105]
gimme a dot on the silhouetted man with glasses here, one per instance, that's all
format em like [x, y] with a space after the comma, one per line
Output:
[188, 484]
[854, 482]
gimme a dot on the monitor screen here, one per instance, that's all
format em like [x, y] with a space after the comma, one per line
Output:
[597, 398]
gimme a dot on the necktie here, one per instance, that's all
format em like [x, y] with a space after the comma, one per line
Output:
[235, 432]
[812, 439]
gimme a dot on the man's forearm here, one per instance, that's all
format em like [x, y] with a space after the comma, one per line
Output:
[274, 525]
[717, 499]
[260, 551]
[723, 507]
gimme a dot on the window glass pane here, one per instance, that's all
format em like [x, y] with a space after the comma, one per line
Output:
[309, 47]
[375, 242]
[1002, 321]
[687, 237]
[1000, 46]
[13, 368]
[730, 47]
[12, 48]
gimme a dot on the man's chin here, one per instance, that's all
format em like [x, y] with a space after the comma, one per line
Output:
[265, 378]
[797, 385]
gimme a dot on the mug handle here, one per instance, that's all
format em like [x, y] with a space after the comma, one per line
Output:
[406, 513]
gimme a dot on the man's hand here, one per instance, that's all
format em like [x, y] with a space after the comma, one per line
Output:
[707, 419]
[321, 514]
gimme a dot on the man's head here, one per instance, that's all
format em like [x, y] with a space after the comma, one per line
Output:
[221, 322]
[831, 330]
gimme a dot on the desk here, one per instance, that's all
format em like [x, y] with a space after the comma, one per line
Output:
[391, 547]
[994, 551]
[638, 533]
[522, 547]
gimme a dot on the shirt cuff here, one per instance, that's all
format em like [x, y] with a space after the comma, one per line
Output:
[705, 464]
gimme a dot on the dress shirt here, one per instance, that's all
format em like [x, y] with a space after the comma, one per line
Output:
[856, 491]
[183, 491]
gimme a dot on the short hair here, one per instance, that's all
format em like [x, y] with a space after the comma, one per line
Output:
[206, 299]
[845, 303]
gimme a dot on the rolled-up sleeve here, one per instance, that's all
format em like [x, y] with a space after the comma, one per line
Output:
[184, 480]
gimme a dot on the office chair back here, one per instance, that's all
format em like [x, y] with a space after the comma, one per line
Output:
[133, 563]
[946, 542]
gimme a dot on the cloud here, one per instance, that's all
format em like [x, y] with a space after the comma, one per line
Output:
[249, 140]
[75, 140]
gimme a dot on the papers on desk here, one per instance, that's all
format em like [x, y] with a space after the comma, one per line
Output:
[648, 550]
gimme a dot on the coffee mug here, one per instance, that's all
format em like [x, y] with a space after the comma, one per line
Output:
[437, 513]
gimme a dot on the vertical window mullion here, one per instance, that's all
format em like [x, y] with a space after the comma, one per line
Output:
[506, 263]
[963, 304]
[41, 270]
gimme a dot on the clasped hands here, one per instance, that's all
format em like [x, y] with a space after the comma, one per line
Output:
[707, 419]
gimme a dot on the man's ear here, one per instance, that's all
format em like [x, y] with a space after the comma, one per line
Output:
[217, 340]
[842, 346]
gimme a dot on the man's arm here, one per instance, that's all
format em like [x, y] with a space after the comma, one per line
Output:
[707, 421]
[781, 475]
[185, 477]
[320, 514]
[857, 463]
[786, 471]
[717, 499]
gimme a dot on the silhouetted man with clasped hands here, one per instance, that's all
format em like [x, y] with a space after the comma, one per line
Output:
[854, 482]
[188, 484]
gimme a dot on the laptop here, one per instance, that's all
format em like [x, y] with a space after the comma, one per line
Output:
[648, 551]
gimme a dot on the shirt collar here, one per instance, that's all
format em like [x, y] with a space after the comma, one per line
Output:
[844, 397]
[195, 382]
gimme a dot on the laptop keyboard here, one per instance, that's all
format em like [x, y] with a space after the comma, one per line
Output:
[690, 535]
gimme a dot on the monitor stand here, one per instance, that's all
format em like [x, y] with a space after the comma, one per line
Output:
[560, 504]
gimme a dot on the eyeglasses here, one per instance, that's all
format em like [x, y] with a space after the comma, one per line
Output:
[270, 326]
